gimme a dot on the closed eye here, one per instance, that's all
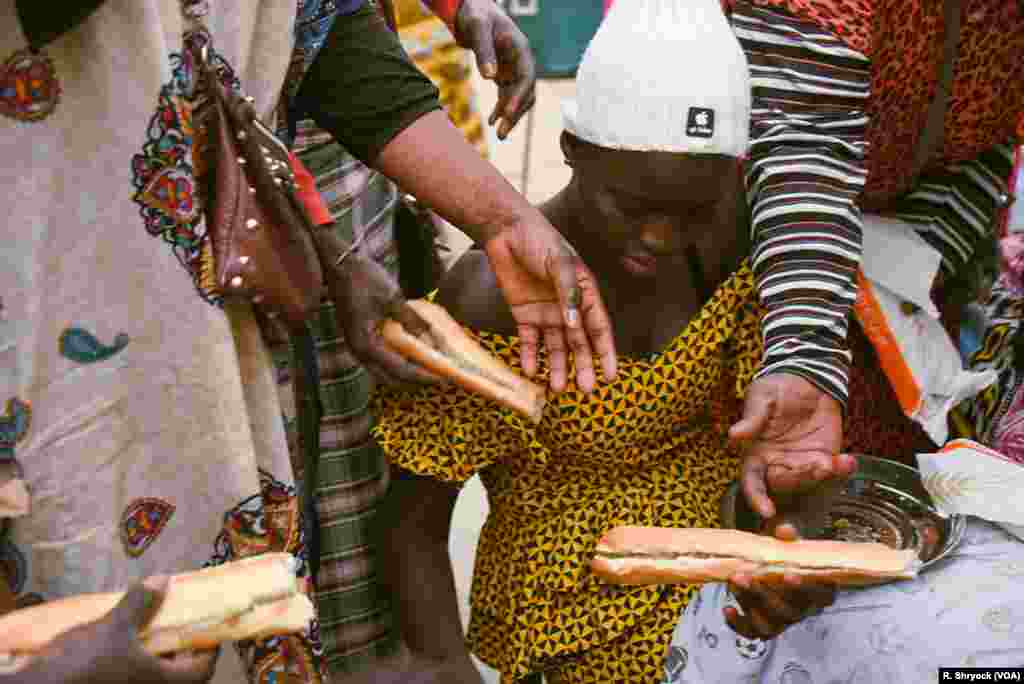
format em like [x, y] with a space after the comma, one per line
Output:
[637, 205]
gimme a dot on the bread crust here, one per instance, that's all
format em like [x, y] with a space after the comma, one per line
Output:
[653, 555]
[230, 602]
[284, 616]
[450, 352]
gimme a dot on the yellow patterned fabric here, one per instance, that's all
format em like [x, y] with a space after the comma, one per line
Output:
[433, 49]
[648, 449]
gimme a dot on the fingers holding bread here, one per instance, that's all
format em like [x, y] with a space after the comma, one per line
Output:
[251, 598]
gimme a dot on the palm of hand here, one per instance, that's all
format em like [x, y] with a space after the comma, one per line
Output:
[802, 435]
[551, 294]
[793, 435]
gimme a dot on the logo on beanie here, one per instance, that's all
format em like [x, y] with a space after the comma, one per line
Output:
[700, 122]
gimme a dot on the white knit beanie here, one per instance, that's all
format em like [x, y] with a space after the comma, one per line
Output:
[663, 75]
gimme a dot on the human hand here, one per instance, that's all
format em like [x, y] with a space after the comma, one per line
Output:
[364, 296]
[770, 607]
[503, 55]
[792, 433]
[553, 295]
[109, 650]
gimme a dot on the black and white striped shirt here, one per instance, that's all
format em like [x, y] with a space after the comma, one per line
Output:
[805, 173]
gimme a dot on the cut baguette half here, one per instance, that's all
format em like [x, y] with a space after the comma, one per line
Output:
[257, 594]
[448, 350]
[283, 616]
[657, 555]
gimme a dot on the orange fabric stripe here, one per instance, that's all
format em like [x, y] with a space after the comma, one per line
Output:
[876, 328]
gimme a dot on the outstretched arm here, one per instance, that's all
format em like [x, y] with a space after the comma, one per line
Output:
[364, 91]
[805, 173]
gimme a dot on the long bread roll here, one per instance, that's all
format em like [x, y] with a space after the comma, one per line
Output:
[246, 599]
[658, 555]
[450, 352]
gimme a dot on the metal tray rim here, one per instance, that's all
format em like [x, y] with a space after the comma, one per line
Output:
[956, 524]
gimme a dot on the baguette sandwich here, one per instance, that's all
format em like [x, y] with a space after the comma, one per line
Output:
[447, 350]
[253, 598]
[658, 555]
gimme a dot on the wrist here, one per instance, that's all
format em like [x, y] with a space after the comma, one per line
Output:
[517, 220]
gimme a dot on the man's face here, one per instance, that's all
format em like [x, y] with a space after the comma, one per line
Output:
[645, 208]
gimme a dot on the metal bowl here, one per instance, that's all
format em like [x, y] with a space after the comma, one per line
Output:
[884, 501]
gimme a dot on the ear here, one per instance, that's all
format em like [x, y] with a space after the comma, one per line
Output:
[570, 146]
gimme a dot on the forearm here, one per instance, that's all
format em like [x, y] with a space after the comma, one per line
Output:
[364, 91]
[805, 174]
[807, 247]
[805, 265]
[432, 160]
[414, 520]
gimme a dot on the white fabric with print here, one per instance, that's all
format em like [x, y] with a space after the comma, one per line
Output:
[966, 611]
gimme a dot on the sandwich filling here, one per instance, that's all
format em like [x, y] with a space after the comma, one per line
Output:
[619, 560]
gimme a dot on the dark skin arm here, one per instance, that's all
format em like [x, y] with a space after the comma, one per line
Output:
[550, 291]
[415, 518]
[551, 294]
[471, 294]
[109, 651]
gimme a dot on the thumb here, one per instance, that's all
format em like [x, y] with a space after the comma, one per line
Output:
[409, 318]
[142, 602]
[757, 411]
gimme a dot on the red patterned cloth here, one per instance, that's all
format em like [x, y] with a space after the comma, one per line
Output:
[875, 423]
[904, 41]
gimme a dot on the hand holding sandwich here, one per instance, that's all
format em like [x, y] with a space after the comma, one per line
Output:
[364, 296]
[770, 608]
[110, 651]
[792, 433]
[777, 582]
